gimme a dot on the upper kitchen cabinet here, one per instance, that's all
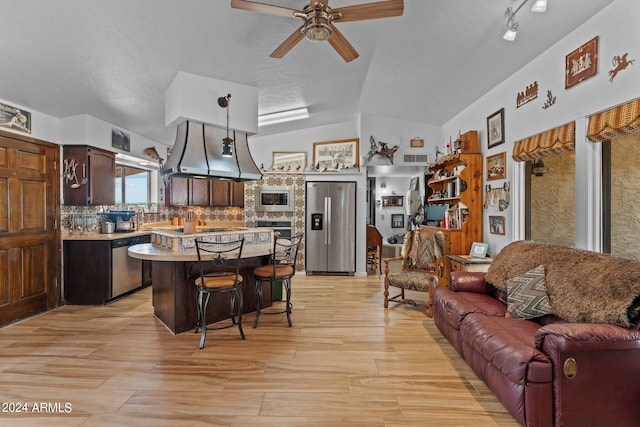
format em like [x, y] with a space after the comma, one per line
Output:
[226, 193]
[187, 192]
[200, 192]
[88, 176]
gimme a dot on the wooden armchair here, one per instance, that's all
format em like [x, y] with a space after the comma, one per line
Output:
[421, 267]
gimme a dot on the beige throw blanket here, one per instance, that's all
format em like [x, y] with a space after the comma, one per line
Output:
[583, 286]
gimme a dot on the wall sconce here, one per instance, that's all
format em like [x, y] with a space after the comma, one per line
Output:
[539, 169]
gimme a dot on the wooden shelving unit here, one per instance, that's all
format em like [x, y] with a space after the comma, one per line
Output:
[457, 182]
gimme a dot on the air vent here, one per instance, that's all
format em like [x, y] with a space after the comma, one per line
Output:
[415, 158]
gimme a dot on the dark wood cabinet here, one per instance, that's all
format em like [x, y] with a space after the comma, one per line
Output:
[199, 192]
[187, 192]
[87, 271]
[226, 193]
[237, 194]
[89, 275]
[88, 176]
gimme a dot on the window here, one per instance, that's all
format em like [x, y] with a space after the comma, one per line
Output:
[621, 223]
[132, 185]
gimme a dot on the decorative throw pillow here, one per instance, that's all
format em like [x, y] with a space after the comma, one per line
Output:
[527, 295]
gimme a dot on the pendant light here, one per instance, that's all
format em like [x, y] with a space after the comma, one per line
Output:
[227, 143]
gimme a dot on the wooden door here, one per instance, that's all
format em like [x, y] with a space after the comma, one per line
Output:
[29, 236]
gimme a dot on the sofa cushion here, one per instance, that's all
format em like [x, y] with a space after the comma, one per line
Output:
[413, 280]
[508, 344]
[527, 295]
[455, 306]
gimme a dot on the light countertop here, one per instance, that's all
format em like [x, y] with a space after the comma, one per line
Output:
[148, 251]
[98, 236]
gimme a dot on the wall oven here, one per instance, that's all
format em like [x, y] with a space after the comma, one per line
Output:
[283, 228]
[274, 199]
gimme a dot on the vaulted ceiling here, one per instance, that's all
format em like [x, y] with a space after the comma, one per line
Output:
[113, 59]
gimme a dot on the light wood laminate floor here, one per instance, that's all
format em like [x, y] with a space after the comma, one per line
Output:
[345, 362]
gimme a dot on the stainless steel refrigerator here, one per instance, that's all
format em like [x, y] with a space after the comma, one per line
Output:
[330, 238]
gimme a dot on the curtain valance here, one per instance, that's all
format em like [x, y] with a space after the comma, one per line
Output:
[617, 121]
[554, 141]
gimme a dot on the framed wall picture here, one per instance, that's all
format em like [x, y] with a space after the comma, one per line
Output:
[336, 155]
[397, 220]
[581, 64]
[478, 250]
[286, 161]
[497, 166]
[414, 183]
[496, 224]
[495, 128]
[15, 118]
[417, 142]
[120, 140]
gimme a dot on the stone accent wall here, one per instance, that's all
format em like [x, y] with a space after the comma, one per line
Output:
[625, 202]
[553, 201]
[297, 218]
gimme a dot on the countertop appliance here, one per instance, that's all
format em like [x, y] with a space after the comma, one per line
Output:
[330, 243]
[126, 271]
[123, 220]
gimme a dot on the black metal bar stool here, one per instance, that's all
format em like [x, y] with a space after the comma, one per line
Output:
[219, 264]
[282, 267]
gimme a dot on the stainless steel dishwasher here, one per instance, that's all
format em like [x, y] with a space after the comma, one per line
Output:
[126, 271]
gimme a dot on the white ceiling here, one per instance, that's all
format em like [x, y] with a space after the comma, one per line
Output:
[113, 59]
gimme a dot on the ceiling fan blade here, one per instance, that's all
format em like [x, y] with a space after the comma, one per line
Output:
[288, 44]
[342, 45]
[360, 12]
[263, 8]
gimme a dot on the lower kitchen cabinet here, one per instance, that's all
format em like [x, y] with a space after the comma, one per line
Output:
[97, 271]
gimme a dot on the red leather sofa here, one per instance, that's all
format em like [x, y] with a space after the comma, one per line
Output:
[546, 371]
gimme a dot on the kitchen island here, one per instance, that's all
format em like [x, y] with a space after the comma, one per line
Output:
[174, 268]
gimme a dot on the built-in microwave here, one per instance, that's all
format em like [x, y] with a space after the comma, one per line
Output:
[274, 199]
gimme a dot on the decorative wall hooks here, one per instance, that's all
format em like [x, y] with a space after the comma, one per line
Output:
[71, 175]
[619, 63]
[381, 149]
[529, 94]
[497, 198]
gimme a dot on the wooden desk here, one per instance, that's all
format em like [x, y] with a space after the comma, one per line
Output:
[467, 263]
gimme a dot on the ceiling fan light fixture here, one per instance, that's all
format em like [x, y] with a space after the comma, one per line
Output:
[317, 28]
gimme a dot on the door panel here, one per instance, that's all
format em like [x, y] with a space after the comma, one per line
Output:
[342, 249]
[29, 238]
[315, 246]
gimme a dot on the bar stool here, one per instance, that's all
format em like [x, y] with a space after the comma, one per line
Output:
[282, 267]
[219, 264]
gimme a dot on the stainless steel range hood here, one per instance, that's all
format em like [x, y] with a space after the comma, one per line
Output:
[197, 153]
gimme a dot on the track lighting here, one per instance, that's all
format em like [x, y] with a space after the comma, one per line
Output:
[539, 6]
[512, 24]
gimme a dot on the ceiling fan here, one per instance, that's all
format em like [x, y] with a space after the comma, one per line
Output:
[318, 21]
